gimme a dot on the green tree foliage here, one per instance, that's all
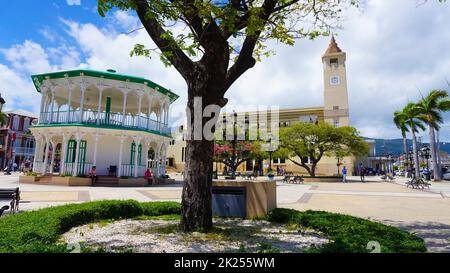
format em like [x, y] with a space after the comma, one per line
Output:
[305, 144]
[430, 111]
[410, 116]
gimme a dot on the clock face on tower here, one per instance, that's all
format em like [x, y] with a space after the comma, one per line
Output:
[335, 80]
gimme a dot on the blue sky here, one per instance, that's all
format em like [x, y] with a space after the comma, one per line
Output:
[394, 49]
[36, 15]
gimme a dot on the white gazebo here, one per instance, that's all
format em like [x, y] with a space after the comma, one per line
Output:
[103, 119]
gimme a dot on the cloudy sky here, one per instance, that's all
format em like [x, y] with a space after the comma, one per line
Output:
[394, 49]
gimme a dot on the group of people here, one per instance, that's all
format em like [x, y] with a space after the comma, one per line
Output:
[361, 170]
[148, 175]
[281, 171]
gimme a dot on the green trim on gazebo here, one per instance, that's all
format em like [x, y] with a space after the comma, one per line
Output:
[39, 79]
[113, 127]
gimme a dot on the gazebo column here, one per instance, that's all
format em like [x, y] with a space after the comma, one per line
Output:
[145, 149]
[70, 106]
[157, 159]
[52, 108]
[96, 138]
[122, 140]
[139, 111]
[99, 105]
[164, 159]
[77, 148]
[136, 163]
[46, 148]
[63, 155]
[52, 161]
[149, 114]
[124, 107]
[57, 114]
[41, 116]
[83, 90]
[37, 152]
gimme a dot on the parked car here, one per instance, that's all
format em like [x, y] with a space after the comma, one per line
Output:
[446, 176]
[370, 172]
[426, 173]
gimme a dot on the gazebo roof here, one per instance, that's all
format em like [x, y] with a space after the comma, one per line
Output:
[110, 74]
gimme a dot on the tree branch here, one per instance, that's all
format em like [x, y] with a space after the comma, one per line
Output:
[178, 58]
[245, 60]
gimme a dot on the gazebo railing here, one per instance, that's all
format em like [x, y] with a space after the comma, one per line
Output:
[103, 119]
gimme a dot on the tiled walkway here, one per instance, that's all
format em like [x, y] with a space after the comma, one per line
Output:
[425, 212]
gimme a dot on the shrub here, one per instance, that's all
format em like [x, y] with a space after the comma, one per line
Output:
[31, 174]
[351, 234]
[39, 231]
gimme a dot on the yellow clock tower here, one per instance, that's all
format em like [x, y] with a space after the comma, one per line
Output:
[336, 108]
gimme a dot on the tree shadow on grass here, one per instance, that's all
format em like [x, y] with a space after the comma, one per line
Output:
[435, 235]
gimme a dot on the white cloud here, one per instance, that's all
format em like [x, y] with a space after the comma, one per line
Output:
[73, 2]
[29, 57]
[18, 92]
[126, 21]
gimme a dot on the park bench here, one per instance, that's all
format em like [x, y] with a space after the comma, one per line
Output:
[12, 196]
[295, 179]
[3, 209]
[248, 175]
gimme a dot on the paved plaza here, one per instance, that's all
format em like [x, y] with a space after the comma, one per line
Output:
[424, 212]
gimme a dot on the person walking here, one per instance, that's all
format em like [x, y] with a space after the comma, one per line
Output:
[362, 173]
[344, 174]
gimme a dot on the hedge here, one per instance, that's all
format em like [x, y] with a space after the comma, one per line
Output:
[351, 234]
[38, 231]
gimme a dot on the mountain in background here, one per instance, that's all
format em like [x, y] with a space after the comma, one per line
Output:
[395, 146]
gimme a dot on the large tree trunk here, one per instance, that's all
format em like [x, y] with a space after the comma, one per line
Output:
[438, 154]
[405, 152]
[415, 155]
[196, 199]
[313, 170]
[433, 154]
[196, 212]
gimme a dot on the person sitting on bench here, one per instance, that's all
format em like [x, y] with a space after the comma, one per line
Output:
[149, 176]
[93, 175]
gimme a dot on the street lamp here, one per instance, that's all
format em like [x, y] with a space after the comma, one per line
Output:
[425, 153]
[389, 161]
[2, 102]
[233, 143]
[270, 152]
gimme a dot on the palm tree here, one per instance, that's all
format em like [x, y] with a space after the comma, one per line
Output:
[430, 111]
[400, 122]
[410, 115]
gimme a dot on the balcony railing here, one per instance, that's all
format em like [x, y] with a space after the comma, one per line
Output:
[23, 150]
[128, 170]
[103, 119]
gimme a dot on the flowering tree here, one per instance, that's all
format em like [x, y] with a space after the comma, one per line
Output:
[242, 152]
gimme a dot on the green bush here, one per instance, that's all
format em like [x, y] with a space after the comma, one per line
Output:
[31, 174]
[351, 234]
[38, 231]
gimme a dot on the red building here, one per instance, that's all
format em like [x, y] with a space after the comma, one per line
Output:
[16, 142]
